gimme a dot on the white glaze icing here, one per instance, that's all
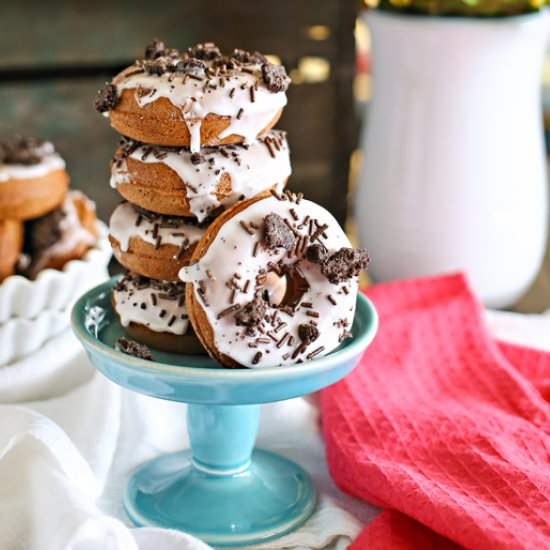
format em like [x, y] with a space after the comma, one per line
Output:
[50, 161]
[72, 232]
[195, 100]
[253, 170]
[124, 225]
[231, 252]
[159, 314]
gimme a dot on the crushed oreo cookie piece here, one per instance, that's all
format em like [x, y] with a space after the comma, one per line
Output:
[249, 58]
[40, 234]
[308, 333]
[44, 231]
[207, 51]
[107, 98]
[158, 66]
[154, 49]
[196, 158]
[316, 253]
[133, 348]
[344, 264]
[275, 77]
[252, 313]
[276, 233]
[192, 66]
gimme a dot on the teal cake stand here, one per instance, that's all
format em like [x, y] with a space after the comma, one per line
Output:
[222, 490]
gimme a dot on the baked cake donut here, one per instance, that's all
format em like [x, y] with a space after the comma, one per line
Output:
[272, 282]
[11, 244]
[153, 313]
[61, 235]
[33, 179]
[193, 98]
[176, 182]
[150, 244]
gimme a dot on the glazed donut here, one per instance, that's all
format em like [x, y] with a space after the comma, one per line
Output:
[61, 235]
[153, 313]
[180, 183]
[272, 282]
[11, 243]
[194, 98]
[150, 244]
[33, 179]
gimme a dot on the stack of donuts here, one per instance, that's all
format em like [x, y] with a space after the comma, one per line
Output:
[197, 139]
[42, 224]
[215, 247]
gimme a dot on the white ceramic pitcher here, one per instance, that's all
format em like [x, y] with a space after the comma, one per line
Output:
[454, 171]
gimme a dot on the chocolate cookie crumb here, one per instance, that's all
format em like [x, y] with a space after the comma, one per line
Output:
[44, 231]
[131, 347]
[158, 66]
[316, 253]
[276, 233]
[275, 77]
[249, 58]
[344, 264]
[154, 49]
[107, 98]
[252, 313]
[308, 332]
[207, 51]
[191, 66]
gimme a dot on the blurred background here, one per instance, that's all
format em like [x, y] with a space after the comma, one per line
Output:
[55, 55]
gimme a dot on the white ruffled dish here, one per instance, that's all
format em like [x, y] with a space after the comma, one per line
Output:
[55, 290]
[21, 337]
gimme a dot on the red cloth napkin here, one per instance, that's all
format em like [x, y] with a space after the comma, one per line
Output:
[446, 428]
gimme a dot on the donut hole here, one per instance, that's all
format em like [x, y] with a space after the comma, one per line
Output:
[285, 290]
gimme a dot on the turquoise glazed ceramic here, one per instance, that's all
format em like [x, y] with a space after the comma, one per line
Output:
[222, 490]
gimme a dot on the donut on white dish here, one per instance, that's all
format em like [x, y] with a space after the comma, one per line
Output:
[150, 244]
[153, 313]
[272, 282]
[176, 182]
[33, 179]
[195, 98]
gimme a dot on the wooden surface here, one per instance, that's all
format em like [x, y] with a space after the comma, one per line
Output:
[55, 55]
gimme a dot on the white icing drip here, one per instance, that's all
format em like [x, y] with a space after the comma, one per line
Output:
[50, 161]
[231, 252]
[122, 227]
[194, 127]
[72, 232]
[257, 171]
[196, 101]
[128, 306]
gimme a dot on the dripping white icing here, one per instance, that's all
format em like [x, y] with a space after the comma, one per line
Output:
[226, 95]
[124, 225]
[232, 252]
[129, 297]
[252, 169]
[49, 162]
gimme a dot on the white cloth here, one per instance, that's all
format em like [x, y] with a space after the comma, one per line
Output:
[64, 460]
